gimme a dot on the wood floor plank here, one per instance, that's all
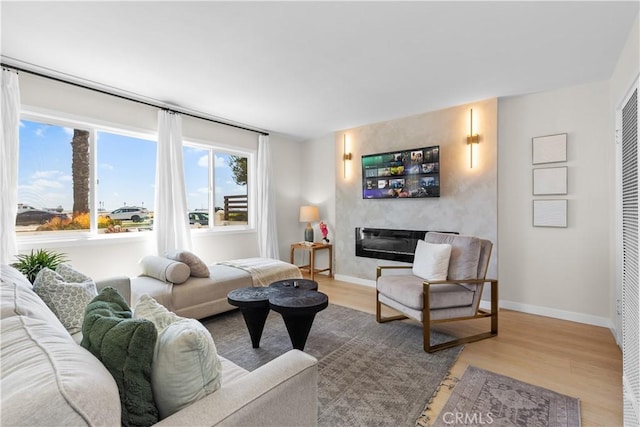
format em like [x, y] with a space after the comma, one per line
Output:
[572, 358]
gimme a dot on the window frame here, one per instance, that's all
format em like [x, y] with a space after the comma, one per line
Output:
[213, 148]
[92, 236]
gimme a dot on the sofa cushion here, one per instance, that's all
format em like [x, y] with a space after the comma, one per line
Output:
[431, 260]
[165, 269]
[66, 292]
[196, 265]
[185, 365]
[47, 379]
[125, 346]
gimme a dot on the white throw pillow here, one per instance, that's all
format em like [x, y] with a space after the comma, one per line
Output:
[431, 261]
[185, 365]
[66, 292]
[164, 269]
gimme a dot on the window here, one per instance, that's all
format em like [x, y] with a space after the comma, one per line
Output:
[58, 163]
[53, 178]
[79, 178]
[126, 174]
[217, 187]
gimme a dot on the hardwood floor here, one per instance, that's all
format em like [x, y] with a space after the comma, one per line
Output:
[571, 358]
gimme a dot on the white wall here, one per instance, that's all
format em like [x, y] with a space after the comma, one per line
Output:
[105, 257]
[287, 169]
[561, 272]
[318, 187]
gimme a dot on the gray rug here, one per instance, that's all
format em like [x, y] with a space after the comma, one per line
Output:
[486, 398]
[370, 374]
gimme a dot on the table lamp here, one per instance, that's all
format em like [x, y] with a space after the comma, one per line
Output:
[308, 214]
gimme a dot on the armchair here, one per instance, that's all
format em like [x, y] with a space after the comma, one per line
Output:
[444, 284]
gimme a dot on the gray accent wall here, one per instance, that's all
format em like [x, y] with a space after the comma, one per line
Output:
[468, 200]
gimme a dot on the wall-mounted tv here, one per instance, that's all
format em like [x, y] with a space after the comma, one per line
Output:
[412, 173]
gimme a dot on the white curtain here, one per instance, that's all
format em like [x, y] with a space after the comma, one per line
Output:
[265, 206]
[9, 165]
[171, 217]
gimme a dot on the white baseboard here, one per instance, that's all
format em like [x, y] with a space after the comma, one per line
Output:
[552, 312]
[356, 280]
[516, 306]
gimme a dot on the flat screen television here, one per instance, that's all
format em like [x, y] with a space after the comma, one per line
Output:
[410, 174]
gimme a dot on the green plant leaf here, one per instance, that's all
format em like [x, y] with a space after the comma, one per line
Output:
[31, 264]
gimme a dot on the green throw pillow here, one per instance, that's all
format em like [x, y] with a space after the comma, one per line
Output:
[125, 347]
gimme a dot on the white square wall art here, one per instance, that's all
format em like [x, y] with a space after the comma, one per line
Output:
[550, 213]
[548, 181]
[549, 149]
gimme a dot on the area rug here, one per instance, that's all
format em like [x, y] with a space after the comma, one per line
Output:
[369, 374]
[483, 398]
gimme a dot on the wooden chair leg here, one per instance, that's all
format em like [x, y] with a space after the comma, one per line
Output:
[426, 321]
[379, 317]
[426, 325]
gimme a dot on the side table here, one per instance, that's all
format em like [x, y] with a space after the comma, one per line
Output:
[298, 309]
[254, 305]
[312, 248]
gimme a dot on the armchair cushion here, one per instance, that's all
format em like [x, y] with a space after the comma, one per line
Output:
[465, 254]
[407, 290]
[431, 260]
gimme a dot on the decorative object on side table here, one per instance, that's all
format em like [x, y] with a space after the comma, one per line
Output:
[324, 231]
[31, 264]
[309, 214]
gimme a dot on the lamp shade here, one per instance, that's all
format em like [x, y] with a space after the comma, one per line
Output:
[309, 214]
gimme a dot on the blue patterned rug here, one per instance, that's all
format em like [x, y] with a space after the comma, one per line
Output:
[482, 398]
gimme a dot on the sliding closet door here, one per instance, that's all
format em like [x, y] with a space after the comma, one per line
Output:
[628, 137]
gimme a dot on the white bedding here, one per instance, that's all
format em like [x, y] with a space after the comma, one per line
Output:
[265, 271]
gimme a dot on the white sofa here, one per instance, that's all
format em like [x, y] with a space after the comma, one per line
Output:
[47, 379]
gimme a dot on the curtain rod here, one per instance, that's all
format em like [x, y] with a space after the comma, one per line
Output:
[139, 101]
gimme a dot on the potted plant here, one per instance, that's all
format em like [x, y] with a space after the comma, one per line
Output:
[31, 264]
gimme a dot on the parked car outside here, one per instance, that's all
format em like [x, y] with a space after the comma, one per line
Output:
[35, 216]
[199, 218]
[132, 213]
[22, 207]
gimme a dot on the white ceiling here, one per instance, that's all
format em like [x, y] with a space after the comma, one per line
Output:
[306, 69]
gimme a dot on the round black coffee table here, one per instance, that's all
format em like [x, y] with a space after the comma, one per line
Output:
[298, 308]
[302, 284]
[254, 305]
[297, 305]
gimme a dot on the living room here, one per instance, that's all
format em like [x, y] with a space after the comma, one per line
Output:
[565, 273]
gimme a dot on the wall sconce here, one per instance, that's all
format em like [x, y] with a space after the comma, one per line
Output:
[345, 156]
[471, 139]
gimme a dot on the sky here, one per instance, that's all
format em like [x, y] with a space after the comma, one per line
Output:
[125, 170]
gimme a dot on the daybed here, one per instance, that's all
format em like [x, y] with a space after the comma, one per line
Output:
[188, 287]
[47, 379]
